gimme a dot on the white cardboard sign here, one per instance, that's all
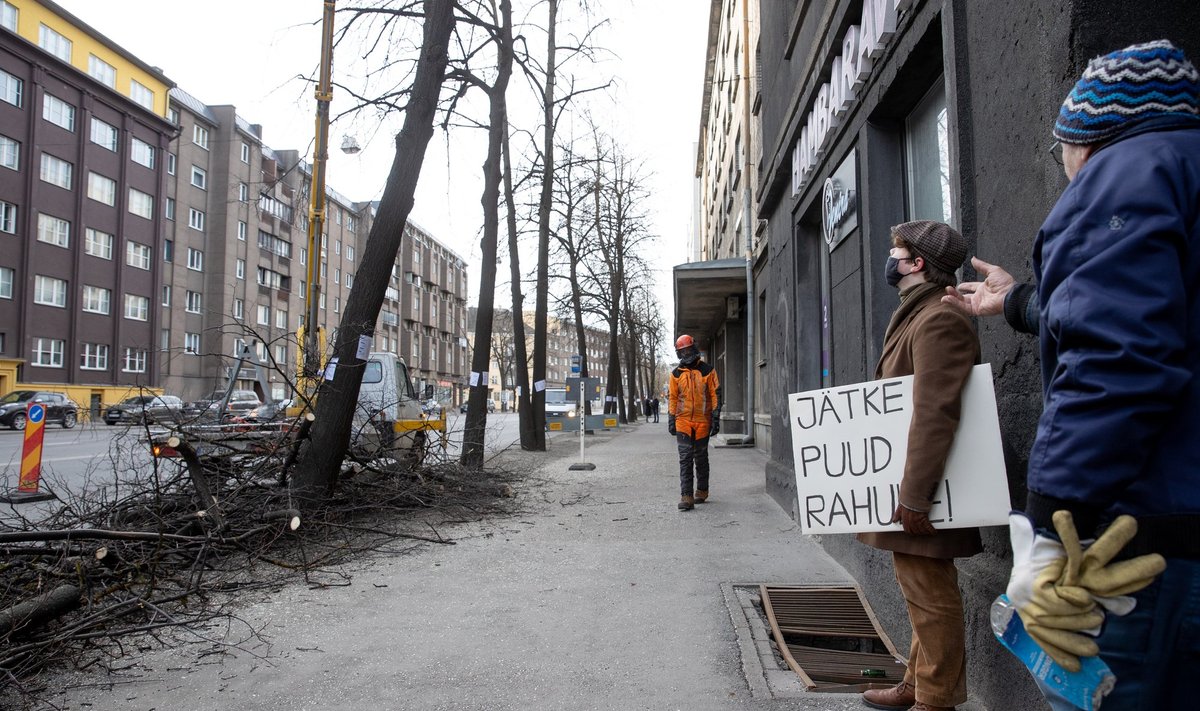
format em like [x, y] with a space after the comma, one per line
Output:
[850, 443]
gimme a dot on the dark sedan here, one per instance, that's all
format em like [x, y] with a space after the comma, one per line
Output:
[143, 409]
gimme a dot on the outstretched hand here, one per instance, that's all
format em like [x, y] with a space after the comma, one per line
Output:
[981, 298]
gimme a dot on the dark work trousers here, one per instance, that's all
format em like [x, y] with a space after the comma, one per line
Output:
[692, 452]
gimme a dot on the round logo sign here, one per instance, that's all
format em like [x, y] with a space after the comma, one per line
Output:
[36, 413]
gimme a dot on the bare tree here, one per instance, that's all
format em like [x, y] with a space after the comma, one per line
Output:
[316, 471]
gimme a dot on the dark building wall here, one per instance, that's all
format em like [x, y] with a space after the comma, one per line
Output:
[1007, 67]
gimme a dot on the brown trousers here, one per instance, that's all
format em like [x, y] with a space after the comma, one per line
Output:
[937, 661]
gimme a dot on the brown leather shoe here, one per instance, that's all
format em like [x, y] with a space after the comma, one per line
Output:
[701, 495]
[900, 696]
[687, 503]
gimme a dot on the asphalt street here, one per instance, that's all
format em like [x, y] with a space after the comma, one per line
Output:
[600, 595]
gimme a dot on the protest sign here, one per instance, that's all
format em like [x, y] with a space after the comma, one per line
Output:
[850, 443]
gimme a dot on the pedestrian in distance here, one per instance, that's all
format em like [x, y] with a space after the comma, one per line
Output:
[654, 408]
[1117, 307]
[937, 345]
[693, 415]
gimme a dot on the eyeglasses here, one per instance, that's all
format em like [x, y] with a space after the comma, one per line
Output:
[1055, 151]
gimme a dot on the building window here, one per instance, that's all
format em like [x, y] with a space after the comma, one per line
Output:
[337, 276]
[273, 244]
[10, 153]
[11, 88]
[141, 204]
[170, 211]
[194, 302]
[200, 136]
[195, 219]
[264, 315]
[8, 16]
[349, 253]
[8, 217]
[166, 300]
[280, 353]
[168, 250]
[53, 230]
[94, 356]
[272, 279]
[103, 134]
[141, 94]
[135, 360]
[97, 243]
[102, 71]
[141, 153]
[281, 318]
[171, 160]
[243, 192]
[199, 177]
[58, 112]
[303, 256]
[173, 115]
[337, 247]
[47, 353]
[349, 280]
[102, 189]
[195, 259]
[337, 304]
[191, 343]
[137, 308]
[137, 255]
[97, 300]
[54, 43]
[240, 268]
[927, 154]
[245, 152]
[239, 309]
[49, 291]
[241, 231]
[6, 282]
[57, 171]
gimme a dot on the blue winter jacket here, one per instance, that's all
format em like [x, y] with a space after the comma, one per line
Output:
[1118, 271]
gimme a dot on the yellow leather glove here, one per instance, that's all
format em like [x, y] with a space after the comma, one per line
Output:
[1093, 571]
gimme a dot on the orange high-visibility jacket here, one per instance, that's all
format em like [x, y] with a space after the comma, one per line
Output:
[694, 392]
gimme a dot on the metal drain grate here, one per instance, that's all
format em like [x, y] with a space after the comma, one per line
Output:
[830, 638]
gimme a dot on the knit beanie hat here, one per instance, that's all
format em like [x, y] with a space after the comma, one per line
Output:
[1130, 85]
[940, 244]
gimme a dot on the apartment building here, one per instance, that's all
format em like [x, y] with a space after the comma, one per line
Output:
[83, 133]
[424, 316]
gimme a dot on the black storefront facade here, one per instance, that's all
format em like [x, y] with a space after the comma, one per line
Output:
[876, 112]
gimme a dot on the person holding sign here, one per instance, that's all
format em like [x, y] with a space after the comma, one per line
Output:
[937, 345]
[1117, 309]
[693, 415]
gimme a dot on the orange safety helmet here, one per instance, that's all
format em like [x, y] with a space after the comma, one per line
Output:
[684, 341]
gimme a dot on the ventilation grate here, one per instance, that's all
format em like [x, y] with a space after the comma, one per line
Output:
[830, 638]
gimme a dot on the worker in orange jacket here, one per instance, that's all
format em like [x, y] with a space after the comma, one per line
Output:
[693, 415]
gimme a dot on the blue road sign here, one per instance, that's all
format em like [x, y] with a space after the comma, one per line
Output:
[36, 413]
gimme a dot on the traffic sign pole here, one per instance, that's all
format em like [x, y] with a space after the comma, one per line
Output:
[31, 458]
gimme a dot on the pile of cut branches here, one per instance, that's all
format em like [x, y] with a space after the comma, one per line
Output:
[171, 547]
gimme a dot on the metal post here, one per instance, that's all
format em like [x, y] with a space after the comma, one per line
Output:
[316, 203]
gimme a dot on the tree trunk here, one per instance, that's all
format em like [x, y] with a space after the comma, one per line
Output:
[523, 401]
[316, 472]
[473, 434]
[541, 308]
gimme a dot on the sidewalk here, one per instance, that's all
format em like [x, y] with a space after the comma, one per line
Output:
[604, 596]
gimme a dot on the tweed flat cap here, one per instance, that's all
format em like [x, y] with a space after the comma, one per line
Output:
[1125, 87]
[940, 244]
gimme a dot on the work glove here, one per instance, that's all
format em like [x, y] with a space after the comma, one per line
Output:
[1055, 616]
[714, 427]
[671, 424]
[915, 523]
[1092, 569]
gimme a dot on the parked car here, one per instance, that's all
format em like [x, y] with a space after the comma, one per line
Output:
[268, 411]
[145, 409]
[240, 402]
[491, 406]
[59, 408]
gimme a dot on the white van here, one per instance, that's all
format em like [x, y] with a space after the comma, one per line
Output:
[389, 414]
[557, 404]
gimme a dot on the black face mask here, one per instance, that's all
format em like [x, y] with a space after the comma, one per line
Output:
[891, 272]
[688, 356]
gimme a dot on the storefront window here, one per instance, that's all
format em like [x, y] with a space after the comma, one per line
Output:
[927, 155]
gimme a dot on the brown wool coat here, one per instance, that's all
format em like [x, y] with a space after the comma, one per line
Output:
[936, 344]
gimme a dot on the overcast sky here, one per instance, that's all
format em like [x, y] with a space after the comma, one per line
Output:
[251, 53]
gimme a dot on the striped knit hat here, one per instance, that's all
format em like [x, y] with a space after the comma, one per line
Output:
[940, 244]
[1127, 86]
